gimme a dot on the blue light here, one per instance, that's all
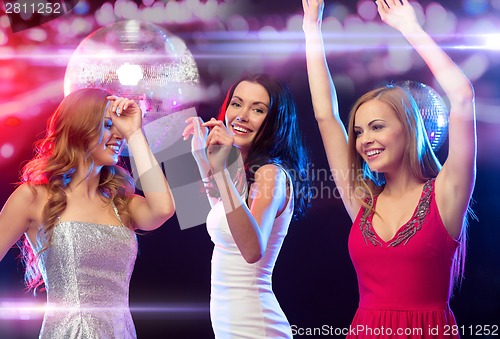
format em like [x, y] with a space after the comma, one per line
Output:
[476, 7]
[81, 8]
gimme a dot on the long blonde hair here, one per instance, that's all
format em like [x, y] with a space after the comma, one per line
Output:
[418, 156]
[71, 134]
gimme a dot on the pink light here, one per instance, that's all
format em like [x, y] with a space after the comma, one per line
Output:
[7, 150]
[27, 310]
[36, 34]
[154, 14]
[125, 9]
[207, 11]
[4, 21]
[81, 26]
[3, 38]
[21, 310]
[105, 14]
[177, 12]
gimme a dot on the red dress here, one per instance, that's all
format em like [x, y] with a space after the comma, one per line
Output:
[404, 283]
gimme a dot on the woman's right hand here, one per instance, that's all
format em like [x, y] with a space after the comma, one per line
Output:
[199, 140]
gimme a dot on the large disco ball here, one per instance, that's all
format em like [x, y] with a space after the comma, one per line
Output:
[434, 111]
[141, 61]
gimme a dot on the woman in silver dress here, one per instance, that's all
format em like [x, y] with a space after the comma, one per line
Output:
[78, 212]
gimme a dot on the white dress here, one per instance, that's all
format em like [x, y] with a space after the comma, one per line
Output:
[242, 302]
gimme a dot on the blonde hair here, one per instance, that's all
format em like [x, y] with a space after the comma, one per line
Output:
[418, 155]
[71, 134]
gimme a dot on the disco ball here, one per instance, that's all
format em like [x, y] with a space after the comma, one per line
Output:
[144, 62]
[434, 111]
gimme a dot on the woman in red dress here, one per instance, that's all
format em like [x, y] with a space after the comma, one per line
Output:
[407, 242]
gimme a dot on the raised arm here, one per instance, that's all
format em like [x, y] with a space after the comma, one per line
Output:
[157, 205]
[324, 100]
[250, 227]
[455, 182]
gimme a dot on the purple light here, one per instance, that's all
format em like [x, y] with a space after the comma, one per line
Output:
[367, 10]
[21, 310]
[28, 310]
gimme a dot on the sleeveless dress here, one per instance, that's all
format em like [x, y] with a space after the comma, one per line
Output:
[404, 283]
[87, 272]
[242, 302]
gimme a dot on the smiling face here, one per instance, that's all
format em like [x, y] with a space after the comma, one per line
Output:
[380, 138]
[246, 112]
[107, 148]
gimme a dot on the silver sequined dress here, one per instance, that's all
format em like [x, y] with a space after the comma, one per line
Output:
[87, 272]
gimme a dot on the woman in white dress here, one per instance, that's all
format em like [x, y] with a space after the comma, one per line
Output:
[253, 200]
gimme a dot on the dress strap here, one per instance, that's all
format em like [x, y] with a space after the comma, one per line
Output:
[289, 185]
[289, 182]
[116, 212]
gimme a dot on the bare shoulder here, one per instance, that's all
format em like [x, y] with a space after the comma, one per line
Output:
[30, 193]
[270, 173]
[270, 183]
[24, 194]
[29, 198]
[269, 189]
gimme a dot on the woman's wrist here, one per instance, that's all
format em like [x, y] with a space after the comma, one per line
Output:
[138, 134]
[200, 156]
[312, 29]
[411, 29]
[221, 176]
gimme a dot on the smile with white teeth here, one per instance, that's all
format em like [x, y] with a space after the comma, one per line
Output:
[373, 152]
[115, 148]
[240, 129]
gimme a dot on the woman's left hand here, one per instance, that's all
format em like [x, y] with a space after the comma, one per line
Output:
[219, 143]
[125, 114]
[397, 13]
[313, 14]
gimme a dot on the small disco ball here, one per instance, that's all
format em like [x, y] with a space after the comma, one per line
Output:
[140, 61]
[434, 111]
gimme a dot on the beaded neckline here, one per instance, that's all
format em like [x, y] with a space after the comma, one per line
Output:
[406, 231]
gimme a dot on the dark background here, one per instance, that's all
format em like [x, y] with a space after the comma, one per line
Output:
[313, 279]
